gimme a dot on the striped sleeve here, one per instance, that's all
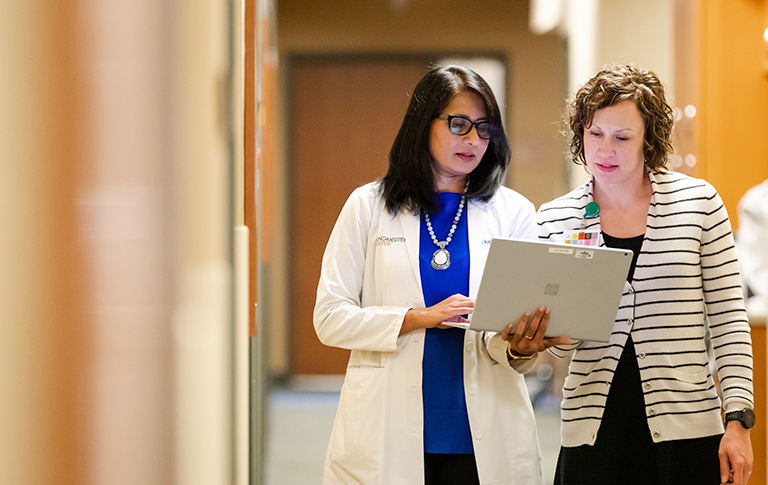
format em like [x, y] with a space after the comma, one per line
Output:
[726, 313]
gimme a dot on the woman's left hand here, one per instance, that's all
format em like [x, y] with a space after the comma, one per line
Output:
[529, 335]
[735, 454]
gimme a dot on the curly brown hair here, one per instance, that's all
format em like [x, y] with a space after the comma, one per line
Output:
[611, 86]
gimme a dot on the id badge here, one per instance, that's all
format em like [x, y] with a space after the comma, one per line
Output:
[583, 238]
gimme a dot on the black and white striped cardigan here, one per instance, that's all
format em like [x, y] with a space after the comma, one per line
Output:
[686, 290]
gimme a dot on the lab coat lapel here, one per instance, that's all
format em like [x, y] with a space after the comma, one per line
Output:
[411, 225]
[479, 228]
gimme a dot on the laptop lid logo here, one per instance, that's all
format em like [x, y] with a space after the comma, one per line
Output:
[551, 289]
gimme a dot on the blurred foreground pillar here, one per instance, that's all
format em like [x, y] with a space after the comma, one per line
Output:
[44, 345]
[116, 242]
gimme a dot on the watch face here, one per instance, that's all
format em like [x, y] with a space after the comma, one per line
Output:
[748, 418]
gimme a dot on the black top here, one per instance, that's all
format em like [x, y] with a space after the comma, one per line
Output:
[625, 408]
[630, 243]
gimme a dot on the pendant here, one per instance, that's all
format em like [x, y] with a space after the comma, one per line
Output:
[441, 259]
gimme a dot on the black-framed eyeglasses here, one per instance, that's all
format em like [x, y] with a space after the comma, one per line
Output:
[461, 125]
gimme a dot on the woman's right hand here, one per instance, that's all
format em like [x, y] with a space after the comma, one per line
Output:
[529, 335]
[452, 307]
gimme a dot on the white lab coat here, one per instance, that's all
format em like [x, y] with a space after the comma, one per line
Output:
[752, 246]
[370, 278]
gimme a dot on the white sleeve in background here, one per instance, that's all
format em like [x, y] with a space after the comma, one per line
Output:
[752, 246]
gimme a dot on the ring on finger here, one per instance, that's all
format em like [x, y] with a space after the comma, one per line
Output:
[529, 338]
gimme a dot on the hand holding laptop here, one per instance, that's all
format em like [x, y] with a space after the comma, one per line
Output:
[448, 313]
[527, 336]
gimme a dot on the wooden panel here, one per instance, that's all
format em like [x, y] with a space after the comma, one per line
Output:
[344, 114]
[265, 157]
[731, 127]
[249, 155]
[759, 473]
[734, 95]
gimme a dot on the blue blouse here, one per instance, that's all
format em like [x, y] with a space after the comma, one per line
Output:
[446, 424]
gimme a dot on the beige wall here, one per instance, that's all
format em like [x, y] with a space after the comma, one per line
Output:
[640, 32]
[647, 40]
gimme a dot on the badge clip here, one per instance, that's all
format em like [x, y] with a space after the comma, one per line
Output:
[584, 237]
[591, 211]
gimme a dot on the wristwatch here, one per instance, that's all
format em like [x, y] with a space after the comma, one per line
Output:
[746, 417]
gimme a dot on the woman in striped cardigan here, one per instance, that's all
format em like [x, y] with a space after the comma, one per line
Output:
[644, 408]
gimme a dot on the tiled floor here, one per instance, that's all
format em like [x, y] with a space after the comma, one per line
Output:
[301, 417]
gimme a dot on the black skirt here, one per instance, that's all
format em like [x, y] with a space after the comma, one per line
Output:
[624, 452]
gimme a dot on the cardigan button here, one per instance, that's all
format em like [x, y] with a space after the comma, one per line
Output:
[647, 385]
[652, 412]
[656, 434]
[641, 355]
[478, 435]
[471, 390]
[630, 321]
[470, 346]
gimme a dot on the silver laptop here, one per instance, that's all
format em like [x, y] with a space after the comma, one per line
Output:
[582, 285]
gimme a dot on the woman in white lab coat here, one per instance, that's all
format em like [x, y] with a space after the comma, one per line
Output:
[424, 400]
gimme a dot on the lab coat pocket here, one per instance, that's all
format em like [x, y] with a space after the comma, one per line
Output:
[358, 421]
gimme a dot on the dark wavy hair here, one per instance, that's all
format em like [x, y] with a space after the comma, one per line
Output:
[409, 183]
[612, 86]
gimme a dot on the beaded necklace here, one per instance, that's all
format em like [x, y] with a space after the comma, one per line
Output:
[441, 259]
